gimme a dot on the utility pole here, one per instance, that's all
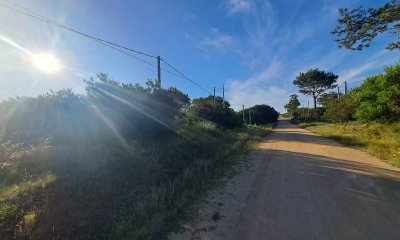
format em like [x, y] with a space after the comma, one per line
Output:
[345, 87]
[214, 95]
[159, 72]
[308, 108]
[223, 96]
[338, 91]
[249, 116]
[244, 120]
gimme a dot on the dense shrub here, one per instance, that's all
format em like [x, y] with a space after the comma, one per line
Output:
[378, 98]
[216, 111]
[59, 115]
[340, 110]
[118, 190]
[110, 111]
[261, 114]
[120, 162]
[134, 111]
[307, 114]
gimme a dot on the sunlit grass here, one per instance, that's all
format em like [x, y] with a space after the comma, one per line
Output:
[134, 190]
[258, 130]
[12, 192]
[28, 222]
[380, 140]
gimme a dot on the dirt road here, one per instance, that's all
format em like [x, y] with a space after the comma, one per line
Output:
[302, 186]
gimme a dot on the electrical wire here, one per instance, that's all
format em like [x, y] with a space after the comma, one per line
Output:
[45, 19]
[185, 77]
[356, 81]
[109, 44]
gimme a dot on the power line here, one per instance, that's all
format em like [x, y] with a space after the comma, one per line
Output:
[356, 81]
[109, 44]
[341, 84]
[45, 19]
[106, 43]
[185, 77]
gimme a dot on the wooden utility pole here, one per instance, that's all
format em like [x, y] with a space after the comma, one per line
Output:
[159, 71]
[244, 120]
[223, 96]
[345, 87]
[338, 91]
[214, 95]
[249, 116]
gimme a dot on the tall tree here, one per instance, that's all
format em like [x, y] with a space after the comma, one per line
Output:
[315, 82]
[293, 103]
[357, 28]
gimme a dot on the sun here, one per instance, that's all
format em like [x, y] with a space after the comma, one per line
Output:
[46, 62]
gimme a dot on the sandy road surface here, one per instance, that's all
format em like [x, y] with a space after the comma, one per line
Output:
[303, 186]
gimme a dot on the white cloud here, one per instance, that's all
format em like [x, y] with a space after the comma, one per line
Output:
[297, 41]
[353, 73]
[239, 6]
[261, 88]
[372, 65]
[222, 42]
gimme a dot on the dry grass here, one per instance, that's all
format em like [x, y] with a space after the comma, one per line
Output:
[12, 192]
[380, 140]
[134, 191]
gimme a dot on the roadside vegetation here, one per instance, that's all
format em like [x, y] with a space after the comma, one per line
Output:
[367, 117]
[123, 161]
[380, 140]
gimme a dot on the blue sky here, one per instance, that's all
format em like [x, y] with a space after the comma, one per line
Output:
[255, 48]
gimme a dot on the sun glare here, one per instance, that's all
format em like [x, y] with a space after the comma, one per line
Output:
[46, 62]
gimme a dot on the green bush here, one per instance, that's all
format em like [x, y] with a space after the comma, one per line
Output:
[216, 111]
[378, 98]
[261, 114]
[340, 110]
[307, 115]
[109, 107]
[119, 162]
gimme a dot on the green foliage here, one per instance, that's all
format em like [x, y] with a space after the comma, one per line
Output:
[10, 215]
[378, 98]
[217, 111]
[307, 115]
[131, 110]
[181, 99]
[325, 98]
[293, 104]
[315, 82]
[135, 112]
[121, 162]
[258, 131]
[358, 27]
[33, 120]
[262, 114]
[340, 110]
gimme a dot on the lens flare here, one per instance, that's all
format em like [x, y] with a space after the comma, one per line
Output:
[46, 62]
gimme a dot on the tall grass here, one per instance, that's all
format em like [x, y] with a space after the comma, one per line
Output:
[135, 190]
[380, 140]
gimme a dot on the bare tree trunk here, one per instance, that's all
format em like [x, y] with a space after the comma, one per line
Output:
[315, 101]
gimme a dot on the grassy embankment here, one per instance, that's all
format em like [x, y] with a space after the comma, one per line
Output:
[380, 140]
[113, 190]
